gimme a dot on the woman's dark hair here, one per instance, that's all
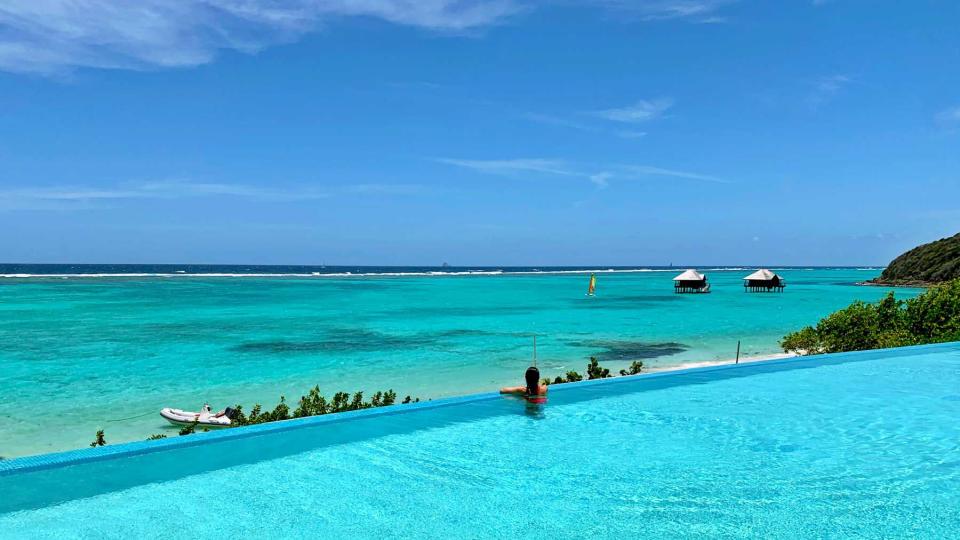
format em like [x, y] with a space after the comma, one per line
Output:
[533, 380]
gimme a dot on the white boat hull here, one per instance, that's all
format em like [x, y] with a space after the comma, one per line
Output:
[179, 417]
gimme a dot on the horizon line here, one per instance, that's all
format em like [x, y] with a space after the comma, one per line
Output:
[444, 265]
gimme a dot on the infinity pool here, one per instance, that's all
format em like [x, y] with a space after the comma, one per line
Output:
[853, 445]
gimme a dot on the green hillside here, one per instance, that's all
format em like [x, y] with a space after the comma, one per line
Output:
[931, 263]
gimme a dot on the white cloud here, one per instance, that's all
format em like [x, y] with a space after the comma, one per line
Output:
[51, 36]
[513, 166]
[948, 117]
[825, 89]
[641, 111]
[55, 36]
[385, 189]
[65, 197]
[72, 197]
[550, 120]
[557, 121]
[655, 10]
[596, 174]
[601, 179]
[645, 170]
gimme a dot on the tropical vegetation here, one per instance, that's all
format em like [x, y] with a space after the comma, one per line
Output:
[99, 440]
[931, 263]
[594, 371]
[932, 317]
[312, 404]
[315, 404]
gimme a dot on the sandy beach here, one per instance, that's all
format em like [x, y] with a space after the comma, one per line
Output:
[708, 363]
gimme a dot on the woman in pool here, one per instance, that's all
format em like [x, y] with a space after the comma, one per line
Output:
[533, 392]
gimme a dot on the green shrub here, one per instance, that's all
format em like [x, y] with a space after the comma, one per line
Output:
[634, 369]
[571, 376]
[932, 317]
[99, 440]
[804, 341]
[596, 371]
[935, 314]
[280, 412]
[311, 404]
[853, 328]
[314, 404]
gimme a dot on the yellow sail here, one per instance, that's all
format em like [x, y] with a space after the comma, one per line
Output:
[593, 285]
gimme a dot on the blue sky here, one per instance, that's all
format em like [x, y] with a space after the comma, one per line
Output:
[477, 132]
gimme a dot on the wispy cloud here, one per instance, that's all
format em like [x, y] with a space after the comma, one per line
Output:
[597, 174]
[67, 197]
[181, 189]
[948, 117]
[644, 170]
[655, 10]
[601, 179]
[56, 36]
[825, 89]
[641, 111]
[385, 189]
[514, 166]
[551, 120]
[51, 36]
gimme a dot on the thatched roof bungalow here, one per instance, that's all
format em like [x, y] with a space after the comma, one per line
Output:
[691, 281]
[763, 280]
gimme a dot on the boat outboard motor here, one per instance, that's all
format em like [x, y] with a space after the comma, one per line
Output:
[230, 413]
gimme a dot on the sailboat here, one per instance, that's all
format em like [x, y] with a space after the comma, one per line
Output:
[592, 287]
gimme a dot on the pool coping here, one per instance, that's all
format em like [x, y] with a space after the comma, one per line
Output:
[40, 462]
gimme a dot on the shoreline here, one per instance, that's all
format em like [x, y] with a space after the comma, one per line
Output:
[709, 363]
[898, 284]
[171, 431]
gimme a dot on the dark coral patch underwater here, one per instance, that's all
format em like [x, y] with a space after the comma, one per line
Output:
[339, 340]
[629, 350]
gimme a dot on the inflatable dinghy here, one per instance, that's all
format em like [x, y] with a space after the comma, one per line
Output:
[205, 417]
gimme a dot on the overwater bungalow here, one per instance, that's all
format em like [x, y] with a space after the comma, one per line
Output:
[691, 281]
[763, 280]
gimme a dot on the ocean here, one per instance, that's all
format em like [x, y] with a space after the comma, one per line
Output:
[88, 347]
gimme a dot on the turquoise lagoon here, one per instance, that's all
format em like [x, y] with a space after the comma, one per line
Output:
[81, 354]
[857, 445]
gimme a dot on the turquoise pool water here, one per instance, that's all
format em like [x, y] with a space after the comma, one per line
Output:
[109, 352]
[863, 445]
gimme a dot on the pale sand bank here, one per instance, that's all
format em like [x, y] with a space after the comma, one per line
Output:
[708, 363]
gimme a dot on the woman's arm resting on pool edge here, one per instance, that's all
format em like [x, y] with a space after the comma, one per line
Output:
[522, 390]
